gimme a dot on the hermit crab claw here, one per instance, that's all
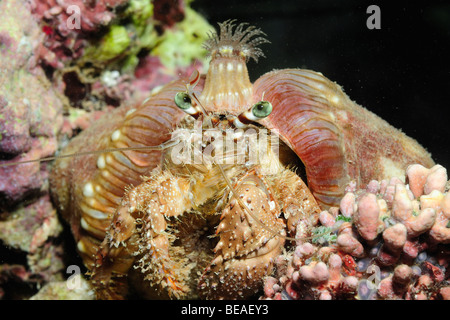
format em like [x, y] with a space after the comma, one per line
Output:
[245, 251]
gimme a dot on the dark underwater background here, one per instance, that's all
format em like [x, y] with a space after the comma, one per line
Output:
[401, 72]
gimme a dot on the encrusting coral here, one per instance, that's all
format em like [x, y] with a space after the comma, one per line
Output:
[387, 241]
[97, 50]
[30, 118]
[30, 110]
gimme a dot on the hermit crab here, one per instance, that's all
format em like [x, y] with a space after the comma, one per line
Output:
[148, 218]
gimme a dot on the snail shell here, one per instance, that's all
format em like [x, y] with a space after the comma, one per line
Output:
[336, 139]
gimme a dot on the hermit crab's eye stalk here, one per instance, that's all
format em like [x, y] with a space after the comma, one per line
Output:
[261, 110]
[258, 111]
[184, 102]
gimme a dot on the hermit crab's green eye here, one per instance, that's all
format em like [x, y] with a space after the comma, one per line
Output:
[258, 111]
[261, 109]
[183, 101]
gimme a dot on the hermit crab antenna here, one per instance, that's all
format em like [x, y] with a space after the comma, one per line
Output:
[243, 41]
[162, 146]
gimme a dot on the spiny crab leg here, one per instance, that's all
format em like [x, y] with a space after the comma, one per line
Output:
[138, 228]
[246, 208]
[245, 251]
[296, 200]
[246, 248]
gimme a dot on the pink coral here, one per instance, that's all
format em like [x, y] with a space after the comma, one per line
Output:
[169, 12]
[390, 242]
[395, 237]
[315, 272]
[349, 244]
[439, 202]
[422, 180]
[347, 204]
[316, 280]
[367, 216]
[407, 212]
[445, 293]
[64, 39]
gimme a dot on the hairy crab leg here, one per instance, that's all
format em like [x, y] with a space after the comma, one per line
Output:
[138, 236]
[296, 201]
[246, 249]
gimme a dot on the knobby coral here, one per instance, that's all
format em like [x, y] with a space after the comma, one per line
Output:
[387, 241]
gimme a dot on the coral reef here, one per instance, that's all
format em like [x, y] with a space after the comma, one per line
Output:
[30, 110]
[71, 289]
[100, 52]
[64, 24]
[32, 230]
[30, 119]
[387, 241]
